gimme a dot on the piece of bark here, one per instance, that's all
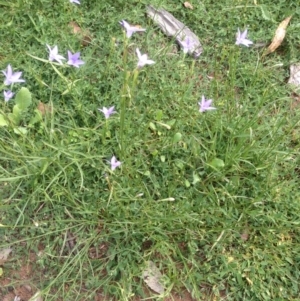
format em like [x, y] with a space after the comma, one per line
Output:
[174, 28]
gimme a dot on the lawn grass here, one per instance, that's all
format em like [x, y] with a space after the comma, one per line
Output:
[211, 198]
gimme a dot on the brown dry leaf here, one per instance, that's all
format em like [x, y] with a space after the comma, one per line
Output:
[85, 35]
[75, 27]
[279, 35]
[4, 253]
[44, 108]
[152, 276]
[245, 236]
[296, 102]
[188, 5]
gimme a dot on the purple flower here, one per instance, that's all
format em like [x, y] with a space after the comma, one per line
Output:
[54, 56]
[8, 95]
[143, 59]
[108, 111]
[130, 30]
[75, 1]
[188, 44]
[241, 38]
[12, 77]
[74, 59]
[205, 105]
[114, 163]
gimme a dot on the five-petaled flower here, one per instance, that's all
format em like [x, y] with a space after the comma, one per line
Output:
[75, 1]
[241, 38]
[12, 77]
[188, 44]
[114, 163]
[108, 111]
[143, 59]
[74, 59]
[130, 30]
[205, 105]
[54, 56]
[8, 95]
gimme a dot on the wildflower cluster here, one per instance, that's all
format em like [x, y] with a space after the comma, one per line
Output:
[10, 79]
[74, 60]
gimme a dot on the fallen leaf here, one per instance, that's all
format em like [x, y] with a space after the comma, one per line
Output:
[188, 5]
[245, 236]
[152, 277]
[294, 74]
[75, 27]
[296, 102]
[36, 297]
[279, 35]
[44, 108]
[249, 281]
[85, 35]
[4, 253]
[230, 259]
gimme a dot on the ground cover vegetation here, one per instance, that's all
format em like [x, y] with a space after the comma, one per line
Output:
[110, 159]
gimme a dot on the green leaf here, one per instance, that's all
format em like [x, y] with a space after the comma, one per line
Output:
[217, 163]
[23, 99]
[3, 121]
[177, 137]
[265, 13]
[159, 115]
[196, 178]
[36, 118]
[179, 163]
[187, 183]
[152, 126]
[15, 116]
[20, 130]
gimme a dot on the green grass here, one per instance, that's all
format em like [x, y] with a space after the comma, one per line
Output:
[56, 181]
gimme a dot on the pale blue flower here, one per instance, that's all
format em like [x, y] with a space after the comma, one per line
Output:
[143, 59]
[75, 1]
[8, 95]
[130, 30]
[108, 111]
[74, 59]
[205, 105]
[54, 56]
[241, 38]
[12, 77]
[114, 163]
